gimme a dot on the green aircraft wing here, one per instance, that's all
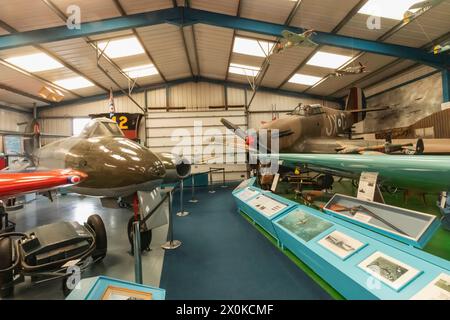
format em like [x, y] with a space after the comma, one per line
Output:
[427, 173]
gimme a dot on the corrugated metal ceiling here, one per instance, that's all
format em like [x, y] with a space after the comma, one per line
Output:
[212, 44]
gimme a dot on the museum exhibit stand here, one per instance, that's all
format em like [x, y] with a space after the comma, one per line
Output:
[364, 250]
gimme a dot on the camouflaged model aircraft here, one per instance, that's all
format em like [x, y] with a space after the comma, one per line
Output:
[314, 128]
[292, 39]
[350, 71]
[419, 8]
[441, 48]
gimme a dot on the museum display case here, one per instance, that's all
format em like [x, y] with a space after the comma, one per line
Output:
[359, 262]
[105, 288]
[407, 226]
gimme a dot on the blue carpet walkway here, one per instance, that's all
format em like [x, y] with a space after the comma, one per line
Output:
[224, 257]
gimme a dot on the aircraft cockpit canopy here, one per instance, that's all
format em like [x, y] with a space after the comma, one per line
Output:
[102, 127]
[307, 110]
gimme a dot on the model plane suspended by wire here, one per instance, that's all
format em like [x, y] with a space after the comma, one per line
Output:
[441, 48]
[419, 8]
[352, 70]
[291, 39]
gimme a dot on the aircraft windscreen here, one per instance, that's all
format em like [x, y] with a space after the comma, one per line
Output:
[101, 129]
[108, 129]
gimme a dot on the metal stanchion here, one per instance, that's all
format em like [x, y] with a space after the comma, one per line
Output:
[171, 244]
[137, 252]
[211, 186]
[223, 183]
[193, 200]
[182, 213]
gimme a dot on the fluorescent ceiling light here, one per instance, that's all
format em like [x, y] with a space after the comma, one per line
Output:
[141, 71]
[391, 9]
[74, 83]
[119, 48]
[250, 47]
[244, 70]
[35, 62]
[328, 60]
[305, 79]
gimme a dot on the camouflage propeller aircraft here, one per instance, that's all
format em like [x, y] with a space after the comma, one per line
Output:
[315, 128]
[352, 70]
[419, 8]
[292, 39]
[441, 48]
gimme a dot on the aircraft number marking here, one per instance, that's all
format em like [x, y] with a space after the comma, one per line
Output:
[123, 120]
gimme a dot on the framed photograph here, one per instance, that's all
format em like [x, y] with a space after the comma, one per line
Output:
[341, 244]
[438, 289]
[388, 270]
[267, 206]
[304, 225]
[118, 293]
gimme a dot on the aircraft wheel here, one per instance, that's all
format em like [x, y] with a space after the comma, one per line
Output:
[420, 147]
[101, 241]
[6, 262]
[325, 181]
[146, 236]
[65, 289]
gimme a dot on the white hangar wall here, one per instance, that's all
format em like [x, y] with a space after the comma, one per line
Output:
[9, 122]
[175, 130]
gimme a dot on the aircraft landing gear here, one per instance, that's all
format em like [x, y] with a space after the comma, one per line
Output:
[146, 235]
[444, 207]
[5, 224]
[325, 181]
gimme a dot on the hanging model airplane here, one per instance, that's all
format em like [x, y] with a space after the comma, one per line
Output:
[441, 48]
[292, 39]
[419, 8]
[361, 68]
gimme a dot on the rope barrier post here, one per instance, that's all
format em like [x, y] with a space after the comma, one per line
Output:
[182, 213]
[171, 244]
[137, 252]
[193, 199]
[211, 185]
[223, 178]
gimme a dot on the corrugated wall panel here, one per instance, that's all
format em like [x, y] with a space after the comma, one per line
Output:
[196, 96]
[157, 98]
[9, 121]
[235, 96]
[122, 103]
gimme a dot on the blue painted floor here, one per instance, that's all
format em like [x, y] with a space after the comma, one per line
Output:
[224, 257]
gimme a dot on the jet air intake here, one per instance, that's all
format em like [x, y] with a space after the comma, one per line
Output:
[176, 168]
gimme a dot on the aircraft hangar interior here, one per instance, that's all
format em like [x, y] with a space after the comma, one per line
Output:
[224, 150]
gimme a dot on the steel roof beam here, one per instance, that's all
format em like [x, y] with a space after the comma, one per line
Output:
[138, 37]
[382, 38]
[230, 84]
[340, 25]
[23, 93]
[238, 14]
[11, 29]
[174, 15]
